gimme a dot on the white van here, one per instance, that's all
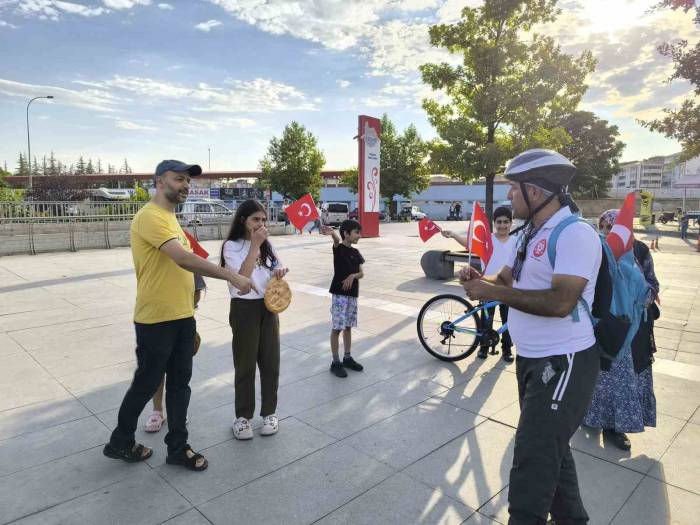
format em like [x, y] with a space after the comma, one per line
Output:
[334, 212]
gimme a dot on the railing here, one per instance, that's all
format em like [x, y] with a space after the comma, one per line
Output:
[24, 209]
[39, 234]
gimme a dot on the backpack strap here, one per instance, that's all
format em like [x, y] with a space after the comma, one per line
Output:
[552, 254]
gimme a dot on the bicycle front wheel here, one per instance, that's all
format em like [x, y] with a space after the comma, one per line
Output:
[448, 327]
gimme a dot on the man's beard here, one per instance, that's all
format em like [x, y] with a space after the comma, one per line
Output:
[174, 196]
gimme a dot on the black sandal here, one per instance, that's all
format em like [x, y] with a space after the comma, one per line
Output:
[184, 460]
[134, 454]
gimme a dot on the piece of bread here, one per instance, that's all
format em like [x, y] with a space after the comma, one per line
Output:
[278, 295]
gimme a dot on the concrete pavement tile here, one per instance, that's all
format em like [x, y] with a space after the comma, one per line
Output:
[400, 500]
[690, 347]
[321, 388]
[351, 413]
[485, 394]
[604, 489]
[656, 502]
[235, 463]
[191, 517]
[38, 447]
[40, 388]
[675, 396]
[690, 337]
[680, 465]
[143, 499]
[9, 346]
[509, 415]
[302, 492]
[40, 416]
[99, 377]
[101, 399]
[408, 436]
[64, 479]
[696, 417]
[647, 446]
[472, 468]
[688, 358]
[479, 519]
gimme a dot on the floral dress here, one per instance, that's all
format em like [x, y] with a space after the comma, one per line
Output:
[624, 400]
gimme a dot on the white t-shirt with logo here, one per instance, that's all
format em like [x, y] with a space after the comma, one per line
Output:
[578, 253]
[501, 256]
[235, 252]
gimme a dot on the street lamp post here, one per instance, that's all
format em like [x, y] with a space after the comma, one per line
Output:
[29, 144]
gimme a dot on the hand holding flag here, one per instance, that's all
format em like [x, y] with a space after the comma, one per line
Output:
[302, 211]
[620, 238]
[427, 228]
[480, 241]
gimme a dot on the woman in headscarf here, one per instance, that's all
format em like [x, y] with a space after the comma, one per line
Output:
[624, 399]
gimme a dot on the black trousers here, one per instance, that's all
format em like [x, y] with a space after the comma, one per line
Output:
[161, 348]
[487, 323]
[554, 394]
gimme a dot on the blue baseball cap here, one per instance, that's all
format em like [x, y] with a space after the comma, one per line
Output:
[194, 170]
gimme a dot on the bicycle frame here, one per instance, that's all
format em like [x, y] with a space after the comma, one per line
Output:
[475, 311]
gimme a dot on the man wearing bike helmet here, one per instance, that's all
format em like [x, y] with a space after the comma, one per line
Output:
[557, 364]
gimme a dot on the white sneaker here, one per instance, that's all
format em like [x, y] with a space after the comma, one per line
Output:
[270, 425]
[242, 429]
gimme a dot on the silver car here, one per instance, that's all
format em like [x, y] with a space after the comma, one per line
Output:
[201, 212]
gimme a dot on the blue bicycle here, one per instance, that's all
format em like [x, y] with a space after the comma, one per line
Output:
[450, 328]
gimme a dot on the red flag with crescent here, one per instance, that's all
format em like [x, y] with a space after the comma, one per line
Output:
[427, 228]
[480, 241]
[196, 247]
[620, 238]
[302, 211]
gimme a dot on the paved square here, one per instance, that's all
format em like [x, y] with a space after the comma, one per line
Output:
[409, 440]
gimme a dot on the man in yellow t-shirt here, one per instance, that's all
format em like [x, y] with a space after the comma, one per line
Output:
[164, 317]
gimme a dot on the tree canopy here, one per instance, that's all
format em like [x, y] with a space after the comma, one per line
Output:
[293, 163]
[510, 89]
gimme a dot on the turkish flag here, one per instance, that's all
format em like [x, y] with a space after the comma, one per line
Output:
[196, 247]
[480, 241]
[427, 228]
[620, 238]
[302, 211]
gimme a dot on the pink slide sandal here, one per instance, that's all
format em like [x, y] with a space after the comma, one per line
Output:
[155, 422]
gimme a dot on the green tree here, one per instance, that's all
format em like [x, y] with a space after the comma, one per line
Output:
[511, 87]
[22, 166]
[293, 164]
[89, 168]
[140, 195]
[53, 165]
[595, 150]
[682, 124]
[403, 165]
[125, 167]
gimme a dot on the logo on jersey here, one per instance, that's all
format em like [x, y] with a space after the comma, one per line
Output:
[540, 248]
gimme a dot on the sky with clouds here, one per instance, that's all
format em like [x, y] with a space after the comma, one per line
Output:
[149, 80]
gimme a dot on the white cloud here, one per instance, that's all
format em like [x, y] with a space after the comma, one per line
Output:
[7, 24]
[165, 7]
[213, 124]
[124, 4]
[53, 9]
[133, 126]
[343, 83]
[208, 25]
[96, 98]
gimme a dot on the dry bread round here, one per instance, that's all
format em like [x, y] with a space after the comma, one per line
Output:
[278, 295]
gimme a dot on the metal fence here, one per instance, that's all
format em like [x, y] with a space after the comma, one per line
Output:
[33, 235]
[49, 209]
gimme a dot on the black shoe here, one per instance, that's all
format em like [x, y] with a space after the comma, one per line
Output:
[483, 352]
[507, 355]
[619, 439]
[349, 362]
[338, 370]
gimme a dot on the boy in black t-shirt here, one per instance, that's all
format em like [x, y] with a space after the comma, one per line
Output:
[347, 265]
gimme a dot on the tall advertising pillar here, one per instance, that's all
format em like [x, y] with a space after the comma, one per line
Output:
[369, 132]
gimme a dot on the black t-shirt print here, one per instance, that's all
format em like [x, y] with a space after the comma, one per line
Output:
[345, 262]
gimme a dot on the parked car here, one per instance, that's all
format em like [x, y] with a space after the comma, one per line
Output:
[355, 214]
[198, 212]
[411, 213]
[334, 212]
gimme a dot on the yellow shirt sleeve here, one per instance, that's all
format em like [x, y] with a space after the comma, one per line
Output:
[156, 230]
